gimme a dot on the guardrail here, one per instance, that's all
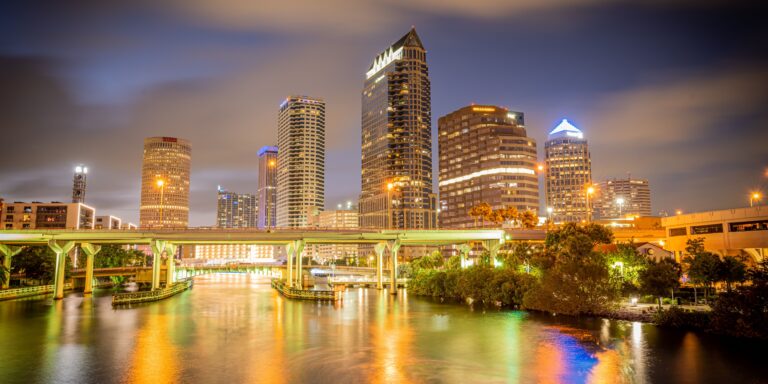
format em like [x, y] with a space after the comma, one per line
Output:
[128, 298]
[17, 293]
[401, 282]
[305, 294]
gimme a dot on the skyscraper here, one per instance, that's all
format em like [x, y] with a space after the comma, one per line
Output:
[165, 183]
[267, 187]
[621, 197]
[300, 161]
[79, 184]
[396, 177]
[569, 173]
[235, 210]
[485, 156]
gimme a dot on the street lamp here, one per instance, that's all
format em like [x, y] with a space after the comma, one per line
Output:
[590, 192]
[678, 212]
[390, 186]
[620, 202]
[754, 197]
[161, 185]
[549, 214]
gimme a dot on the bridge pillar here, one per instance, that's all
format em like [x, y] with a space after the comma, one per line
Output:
[158, 246]
[394, 247]
[289, 251]
[493, 248]
[8, 251]
[170, 263]
[299, 249]
[90, 251]
[60, 249]
[464, 252]
[379, 249]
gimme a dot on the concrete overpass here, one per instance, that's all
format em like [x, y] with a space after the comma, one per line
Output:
[164, 242]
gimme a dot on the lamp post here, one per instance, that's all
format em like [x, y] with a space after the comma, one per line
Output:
[161, 185]
[754, 197]
[389, 205]
[590, 192]
[620, 202]
[549, 214]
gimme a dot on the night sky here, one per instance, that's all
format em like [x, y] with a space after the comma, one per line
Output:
[672, 91]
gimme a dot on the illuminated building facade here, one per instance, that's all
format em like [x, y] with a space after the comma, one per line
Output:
[300, 161]
[337, 219]
[54, 215]
[251, 253]
[397, 139]
[267, 211]
[623, 197]
[108, 222]
[79, 184]
[165, 183]
[569, 173]
[485, 156]
[235, 210]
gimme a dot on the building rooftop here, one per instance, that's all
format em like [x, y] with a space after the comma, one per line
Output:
[565, 128]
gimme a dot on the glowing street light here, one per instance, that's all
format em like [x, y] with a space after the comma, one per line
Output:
[590, 192]
[620, 202]
[678, 212]
[161, 184]
[754, 197]
[390, 186]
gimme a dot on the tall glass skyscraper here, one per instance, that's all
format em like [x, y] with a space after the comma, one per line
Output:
[300, 161]
[267, 187]
[235, 210]
[165, 183]
[396, 177]
[569, 174]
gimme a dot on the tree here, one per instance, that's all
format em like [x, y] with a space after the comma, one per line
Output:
[702, 266]
[731, 270]
[497, 217]
[626, 265]
[528, 219]
[660, 278]
[39, 263]
[511, 214]
[4, 274]
[482, 211]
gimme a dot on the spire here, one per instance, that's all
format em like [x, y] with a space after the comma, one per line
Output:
[567, 129]
[411, 39]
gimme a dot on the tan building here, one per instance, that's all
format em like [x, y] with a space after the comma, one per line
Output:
[267, 210]
[300, 161]
[165, 183]
[108, 222]
[617, 198]
[250, 253]
[485, 156]
[54, 215]
[737, 231]
[337, 219]
[397, 139]
[569, 174]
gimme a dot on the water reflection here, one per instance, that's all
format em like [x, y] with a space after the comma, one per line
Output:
[235, 328]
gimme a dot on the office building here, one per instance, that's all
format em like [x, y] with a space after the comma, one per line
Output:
[337, 219]
[569, 174]
[267, 211]
[235, 210]
[165, 183]
[79, 184]
[615, 198]
[486, 156]
[108, 222]
[300, 161]
[54, 215]
[396, 175]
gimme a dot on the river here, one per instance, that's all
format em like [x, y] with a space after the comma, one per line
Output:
[233, 328]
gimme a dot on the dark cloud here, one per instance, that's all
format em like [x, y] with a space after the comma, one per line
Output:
[672, 91]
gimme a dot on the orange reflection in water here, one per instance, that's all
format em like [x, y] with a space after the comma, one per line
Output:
[608, 368]
[391, 340]
[271, 361]
[549, 362]
[154, 356]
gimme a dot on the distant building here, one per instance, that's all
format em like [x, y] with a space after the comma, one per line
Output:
[129, 226]
[165, 183]
[616, 198]
[485, 156]
[54, 215]
[79, 184]
[337, 219]
[108, 222]
[569, 173]
[267, 212]
[397, 139]
[300, 161]
[235, 210]
[250, 253]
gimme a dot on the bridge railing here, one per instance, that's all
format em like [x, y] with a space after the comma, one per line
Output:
[14, 293]
[147, 296]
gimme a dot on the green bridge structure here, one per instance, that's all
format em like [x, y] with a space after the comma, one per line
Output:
[165, 242]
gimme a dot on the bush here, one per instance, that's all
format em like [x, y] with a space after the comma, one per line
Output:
[679, 318]
[482, 284]
[742, 313]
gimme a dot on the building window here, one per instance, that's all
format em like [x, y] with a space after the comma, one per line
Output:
[25, 226]
[706, 229]
[677, 232]
[9, 226]
[746, 226]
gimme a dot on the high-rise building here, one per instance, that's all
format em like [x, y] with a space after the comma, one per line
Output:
[300, 161]
[79, 184]
[396, 176]
[165, 183]
[569, 174]
[485, 156]
[267, 187]
[617, 198]
[235, 210]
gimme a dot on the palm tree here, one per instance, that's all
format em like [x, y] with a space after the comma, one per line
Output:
[528, 219]
[511, 214]
[486, 211]
[474, 213]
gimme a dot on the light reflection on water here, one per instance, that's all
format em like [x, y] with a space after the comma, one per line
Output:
[234, 328]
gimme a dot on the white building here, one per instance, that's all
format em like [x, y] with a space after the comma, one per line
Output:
[53, 215]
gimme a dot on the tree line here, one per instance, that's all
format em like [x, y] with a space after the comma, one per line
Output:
[485, 213]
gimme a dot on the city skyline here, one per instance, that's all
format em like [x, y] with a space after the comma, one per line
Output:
[702, 134]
